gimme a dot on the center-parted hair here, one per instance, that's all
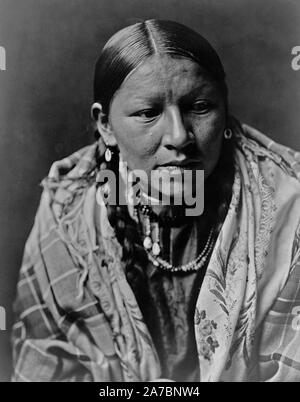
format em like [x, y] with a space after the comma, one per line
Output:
[130, 47]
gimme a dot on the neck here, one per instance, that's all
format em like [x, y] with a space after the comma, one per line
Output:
[168, 212]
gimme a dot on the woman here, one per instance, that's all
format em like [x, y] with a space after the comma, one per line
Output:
[141, 293]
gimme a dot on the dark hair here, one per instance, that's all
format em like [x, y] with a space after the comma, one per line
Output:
[124, 52]
[131, 46]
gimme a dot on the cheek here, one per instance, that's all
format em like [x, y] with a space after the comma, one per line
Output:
[209, 135]
[137, 144]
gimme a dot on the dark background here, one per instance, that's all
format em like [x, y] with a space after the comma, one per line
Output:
[46, 92]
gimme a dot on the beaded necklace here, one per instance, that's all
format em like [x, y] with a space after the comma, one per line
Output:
[151, 244]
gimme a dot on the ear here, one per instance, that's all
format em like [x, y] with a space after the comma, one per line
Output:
[103, 125]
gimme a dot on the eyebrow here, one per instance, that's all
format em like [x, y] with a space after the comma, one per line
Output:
[206, 87]
[158, 98]
[153, 98]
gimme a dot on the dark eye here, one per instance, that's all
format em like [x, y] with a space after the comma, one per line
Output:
[201, 107]
[147, 114]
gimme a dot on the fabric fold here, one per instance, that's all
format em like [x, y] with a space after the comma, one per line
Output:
[86, 301]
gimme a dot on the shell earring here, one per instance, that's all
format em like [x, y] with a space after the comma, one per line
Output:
[108, 154]
[227, 133]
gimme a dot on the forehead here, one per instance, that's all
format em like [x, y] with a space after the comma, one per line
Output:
[165, 77]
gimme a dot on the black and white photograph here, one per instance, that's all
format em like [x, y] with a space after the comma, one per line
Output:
[150, 193]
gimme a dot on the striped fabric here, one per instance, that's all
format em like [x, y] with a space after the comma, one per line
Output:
[76, 317]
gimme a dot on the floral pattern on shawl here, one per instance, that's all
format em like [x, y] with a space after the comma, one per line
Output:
[86, 315]
[209, 342]
[244, 256]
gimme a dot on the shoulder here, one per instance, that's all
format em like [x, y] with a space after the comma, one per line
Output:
[264, 147]
[68, 180]
[62, 236]
[277, 167]
[66, 186]
[75, 164]
[270, 166]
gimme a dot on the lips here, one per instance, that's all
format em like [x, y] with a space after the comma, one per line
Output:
[171, 169]
[181, 165]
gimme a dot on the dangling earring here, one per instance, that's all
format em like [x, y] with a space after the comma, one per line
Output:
[108, 154]
[227, 133]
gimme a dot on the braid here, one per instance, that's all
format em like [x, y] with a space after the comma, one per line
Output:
[134, 256]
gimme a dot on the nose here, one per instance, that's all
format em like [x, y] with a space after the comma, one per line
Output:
[176, 135]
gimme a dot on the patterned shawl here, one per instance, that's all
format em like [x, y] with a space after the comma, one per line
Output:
[77, 318]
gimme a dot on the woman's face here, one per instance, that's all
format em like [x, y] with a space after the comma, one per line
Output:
[168, 112]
